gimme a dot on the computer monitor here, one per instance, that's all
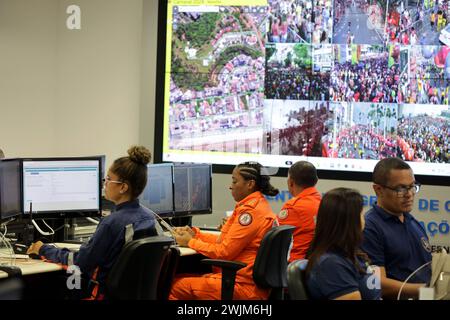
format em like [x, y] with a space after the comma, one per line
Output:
[10, 188]
[192, 189]
[158, 193]
[62, 187]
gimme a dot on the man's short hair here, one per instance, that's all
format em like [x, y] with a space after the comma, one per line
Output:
[383, 169]
[304, 174]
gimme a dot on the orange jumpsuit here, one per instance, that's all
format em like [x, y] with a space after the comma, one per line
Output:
[301, 212]
[239, 241]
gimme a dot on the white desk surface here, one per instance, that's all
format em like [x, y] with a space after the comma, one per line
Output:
[29, 266]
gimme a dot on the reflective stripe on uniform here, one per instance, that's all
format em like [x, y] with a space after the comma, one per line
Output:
[70, 259]
[129, 233]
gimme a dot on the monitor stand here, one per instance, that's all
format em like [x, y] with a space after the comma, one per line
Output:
[181, 221]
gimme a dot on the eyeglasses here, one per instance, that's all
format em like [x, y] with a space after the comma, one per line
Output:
[108, 180]
[403, 191]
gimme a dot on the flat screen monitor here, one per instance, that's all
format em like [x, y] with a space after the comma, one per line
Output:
[10, 188]
[158, 193]
[62, 187]
[339, 83]
[192, 189]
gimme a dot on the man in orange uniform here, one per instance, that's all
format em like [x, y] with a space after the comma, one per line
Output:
[301, 210]
[239, 241]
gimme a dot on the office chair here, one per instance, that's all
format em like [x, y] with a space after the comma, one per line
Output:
[270, 268]
[296, 276]
[135, 274]
[11, 289]
[167, 274]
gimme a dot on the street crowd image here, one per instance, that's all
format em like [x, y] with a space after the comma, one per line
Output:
[353, 79]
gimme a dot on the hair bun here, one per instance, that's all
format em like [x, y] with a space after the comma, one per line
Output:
[139, 154]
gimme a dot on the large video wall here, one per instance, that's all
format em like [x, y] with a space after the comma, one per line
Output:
[340, 83]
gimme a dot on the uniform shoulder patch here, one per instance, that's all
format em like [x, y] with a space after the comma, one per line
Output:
[245, 219]
[283, 214]
[425, 244]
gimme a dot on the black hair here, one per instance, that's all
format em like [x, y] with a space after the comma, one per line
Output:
[133, 169]
[304, 174]
[338, 227]
[252, 171]
[383, 169]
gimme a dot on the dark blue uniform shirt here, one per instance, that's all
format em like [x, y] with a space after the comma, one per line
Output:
[333, 276]
[103, 248]
[399, 247]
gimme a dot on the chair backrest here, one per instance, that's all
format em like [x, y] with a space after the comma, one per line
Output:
[167, 274]
[296, 276]
[11, 289]
[136, 272]
[270, 269]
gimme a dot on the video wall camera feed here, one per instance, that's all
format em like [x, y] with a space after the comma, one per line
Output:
[340, 83]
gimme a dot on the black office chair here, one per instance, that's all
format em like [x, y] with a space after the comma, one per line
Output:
[11, 289]
[296, 276]
[270, 268]
[167, 274]
[136, 272]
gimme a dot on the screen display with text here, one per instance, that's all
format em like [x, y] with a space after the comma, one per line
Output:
[61, 185]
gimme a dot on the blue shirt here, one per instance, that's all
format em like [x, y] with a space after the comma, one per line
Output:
[333, 276]
[399, 247]
[104, 247]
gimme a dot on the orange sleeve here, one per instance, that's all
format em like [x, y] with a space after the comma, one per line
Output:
[206, 237]
[234, 241]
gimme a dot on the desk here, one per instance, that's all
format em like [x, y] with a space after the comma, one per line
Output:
[27, 265]
[31, 266]
[73, 246]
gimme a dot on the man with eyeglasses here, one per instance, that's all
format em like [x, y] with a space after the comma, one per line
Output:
[393, 239]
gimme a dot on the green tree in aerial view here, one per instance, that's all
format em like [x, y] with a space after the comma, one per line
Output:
[270, 50]
[200, 32]
[234, 51]
[302, 55]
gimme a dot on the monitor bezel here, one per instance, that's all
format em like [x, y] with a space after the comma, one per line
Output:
[19, 213]
[227, 169]
[56, 214]
[164, 214]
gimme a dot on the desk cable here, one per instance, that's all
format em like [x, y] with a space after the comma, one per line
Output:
[165, 224]
[12, 256]
[410, 276]
[52, 232]
[6, 231]
[92, 220]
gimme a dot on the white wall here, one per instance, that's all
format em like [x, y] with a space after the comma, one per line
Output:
[76, 92]
[28, 51]
[98, 76]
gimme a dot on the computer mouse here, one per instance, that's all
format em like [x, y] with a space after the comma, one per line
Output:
[20, 248]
